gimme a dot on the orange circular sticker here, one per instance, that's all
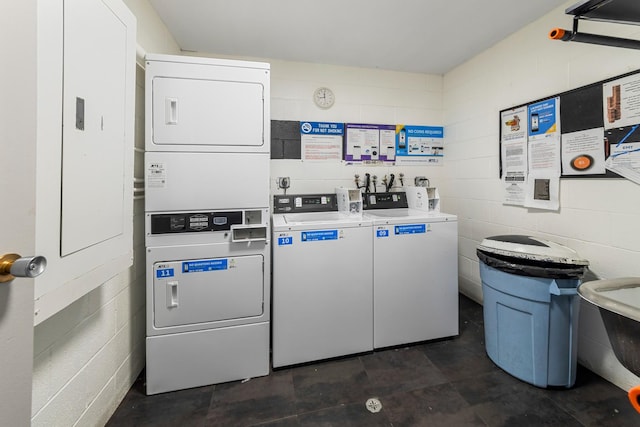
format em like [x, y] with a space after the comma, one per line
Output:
[582, 162]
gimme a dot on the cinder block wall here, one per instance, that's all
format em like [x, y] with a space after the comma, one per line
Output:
[597, 217]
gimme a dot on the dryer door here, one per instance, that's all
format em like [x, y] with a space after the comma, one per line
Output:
[207, 290]
[199, 112]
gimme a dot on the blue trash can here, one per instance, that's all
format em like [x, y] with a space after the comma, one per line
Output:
[531, 307]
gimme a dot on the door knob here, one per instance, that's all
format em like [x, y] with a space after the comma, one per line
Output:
[13, 265]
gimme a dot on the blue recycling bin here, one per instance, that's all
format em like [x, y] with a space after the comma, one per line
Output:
[531, 307]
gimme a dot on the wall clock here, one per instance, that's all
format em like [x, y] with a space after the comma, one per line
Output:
[324, 97]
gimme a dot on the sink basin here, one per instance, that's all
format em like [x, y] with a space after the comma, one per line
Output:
[619, 303]
[620, 296]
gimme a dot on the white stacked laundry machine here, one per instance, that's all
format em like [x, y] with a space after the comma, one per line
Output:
[207, 230]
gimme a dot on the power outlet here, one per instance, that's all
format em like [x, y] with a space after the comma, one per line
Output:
[284, 182]
[421, 181]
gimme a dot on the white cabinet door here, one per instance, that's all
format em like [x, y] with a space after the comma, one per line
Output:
[94, 148]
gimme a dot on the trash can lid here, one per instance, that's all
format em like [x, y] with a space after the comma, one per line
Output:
[531, 249]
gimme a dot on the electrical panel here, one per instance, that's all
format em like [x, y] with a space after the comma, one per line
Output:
[95, 151]
[86, 77]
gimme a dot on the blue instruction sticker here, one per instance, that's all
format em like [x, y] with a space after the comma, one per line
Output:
[382, 233]
[410, 229]
[285, 240]
[204, 265]
[164, 272]
[313, 236]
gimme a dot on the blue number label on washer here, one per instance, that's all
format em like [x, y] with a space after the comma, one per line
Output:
[410, 229]
[382, 232]
[313, 236]
[204, 265]
[286, 240]
[164, 272]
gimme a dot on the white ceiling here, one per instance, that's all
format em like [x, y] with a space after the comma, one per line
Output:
[424, 36]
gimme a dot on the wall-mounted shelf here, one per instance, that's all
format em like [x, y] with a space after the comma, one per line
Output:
[619, 11]
[616, 11]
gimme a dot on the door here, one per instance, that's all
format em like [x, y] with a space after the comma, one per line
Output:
[198, 104]
[207, 290]
[96, 151]
[207, 112]
[17, 210]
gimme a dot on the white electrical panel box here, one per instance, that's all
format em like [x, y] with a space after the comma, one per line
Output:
[85, 138]
[94, 152]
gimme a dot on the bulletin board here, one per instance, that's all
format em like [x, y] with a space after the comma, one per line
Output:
[593, 123]
[358, 143]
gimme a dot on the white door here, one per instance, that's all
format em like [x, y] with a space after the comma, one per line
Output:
[17, 213]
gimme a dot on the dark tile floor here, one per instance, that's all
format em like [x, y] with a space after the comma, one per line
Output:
[443, 383]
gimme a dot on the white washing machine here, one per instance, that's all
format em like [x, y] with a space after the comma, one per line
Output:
[415, 271]
[322, 280]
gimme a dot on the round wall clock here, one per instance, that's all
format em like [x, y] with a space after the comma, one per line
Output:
[324, 97]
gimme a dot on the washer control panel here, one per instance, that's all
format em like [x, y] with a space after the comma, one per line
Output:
[392, 200]
[304, 203]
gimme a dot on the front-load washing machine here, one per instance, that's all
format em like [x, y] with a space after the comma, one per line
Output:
[415, 271]
[322, 280]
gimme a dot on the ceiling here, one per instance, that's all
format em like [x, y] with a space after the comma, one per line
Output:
[423, 36]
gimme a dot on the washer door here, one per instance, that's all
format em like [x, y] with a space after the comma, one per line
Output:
[207, 290]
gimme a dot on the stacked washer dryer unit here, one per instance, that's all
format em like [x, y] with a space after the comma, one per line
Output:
[207, 221]
[415, 268]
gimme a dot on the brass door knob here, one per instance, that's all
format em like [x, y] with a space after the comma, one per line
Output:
[13, 265]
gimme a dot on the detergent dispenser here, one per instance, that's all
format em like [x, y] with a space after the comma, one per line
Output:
[423, 198]
[349, 200]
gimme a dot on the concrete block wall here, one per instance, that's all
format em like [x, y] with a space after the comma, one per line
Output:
[87, 356]
[362, 96]
[597, 217]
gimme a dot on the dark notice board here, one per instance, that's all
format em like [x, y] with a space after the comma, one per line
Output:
[580, 109]
[285, 139]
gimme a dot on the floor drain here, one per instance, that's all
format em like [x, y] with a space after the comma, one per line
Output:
[373, 405]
